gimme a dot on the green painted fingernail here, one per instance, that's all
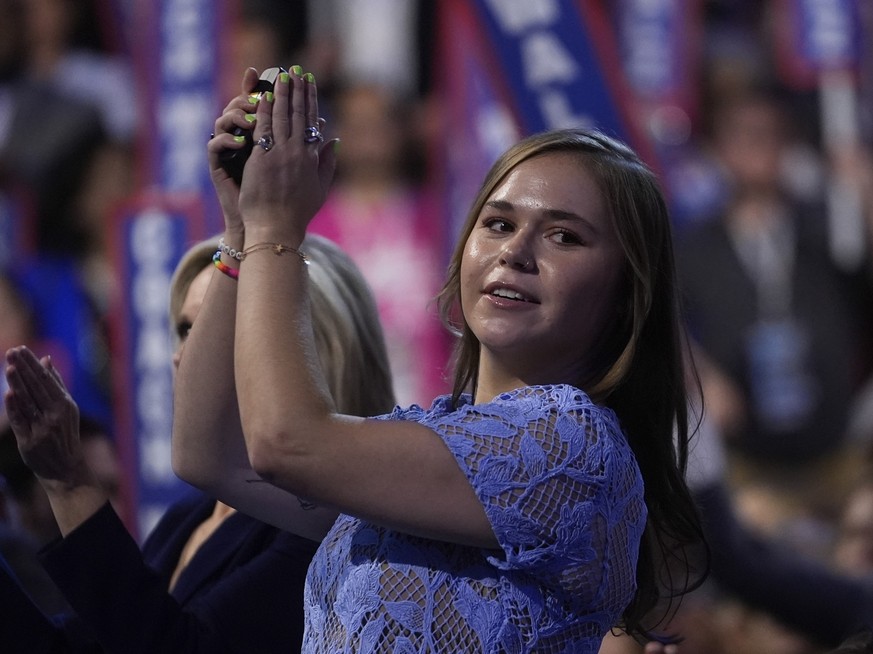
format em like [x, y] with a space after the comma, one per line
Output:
[239, 139]
[253, 99]
[251, 118]
[268, 96]
[284, 78]
[297, 70]
[309, 77]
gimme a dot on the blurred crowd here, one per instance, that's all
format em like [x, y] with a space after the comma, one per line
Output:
[774, 250]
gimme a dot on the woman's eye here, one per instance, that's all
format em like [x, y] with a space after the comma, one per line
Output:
[498, 225]
[183, 329]
[565, 237]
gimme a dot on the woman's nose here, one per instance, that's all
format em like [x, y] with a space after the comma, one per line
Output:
[517, 253]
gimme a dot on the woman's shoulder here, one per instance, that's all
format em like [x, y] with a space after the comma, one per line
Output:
[551, 396]
[549, 399]
[522, 406]
[441, 405]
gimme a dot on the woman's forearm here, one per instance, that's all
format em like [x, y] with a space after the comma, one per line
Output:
[73, 505]
[208, 446]
[282, 389]
[207, 439]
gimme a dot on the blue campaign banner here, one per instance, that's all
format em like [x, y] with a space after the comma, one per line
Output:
[828, 34]
[151, 236]
[481, 120]
[659, 42]
[661, 45]
[181, 65]
[559, 62]
[509, 68]
[179, 52]
[817, 36]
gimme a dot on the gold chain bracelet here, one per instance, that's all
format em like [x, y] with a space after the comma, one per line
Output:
[277, 248]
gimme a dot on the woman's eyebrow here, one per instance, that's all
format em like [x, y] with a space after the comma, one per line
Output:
[500, 205]
[554, 214]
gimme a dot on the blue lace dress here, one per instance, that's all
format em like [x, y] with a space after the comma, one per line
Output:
[564, 496]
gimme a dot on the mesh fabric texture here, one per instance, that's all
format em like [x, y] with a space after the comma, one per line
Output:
[564, 496]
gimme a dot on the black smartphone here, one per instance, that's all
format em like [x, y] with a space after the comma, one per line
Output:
[233, 161]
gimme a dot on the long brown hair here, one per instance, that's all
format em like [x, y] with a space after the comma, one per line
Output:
[641, 374]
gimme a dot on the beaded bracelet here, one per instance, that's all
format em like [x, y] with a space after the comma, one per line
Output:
[233, 273]
[277, 248]
[229, 251]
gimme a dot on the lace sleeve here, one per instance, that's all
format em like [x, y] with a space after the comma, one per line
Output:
[558, 481]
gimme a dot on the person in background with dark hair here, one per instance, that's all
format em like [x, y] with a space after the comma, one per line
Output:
[73, 47]
[777, 319]
[66, 150]
[536, 507]
[764, 581]
[801, 592]
[263, 32]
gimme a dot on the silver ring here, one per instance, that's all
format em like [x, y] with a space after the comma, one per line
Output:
[313, 135]
[266, 142]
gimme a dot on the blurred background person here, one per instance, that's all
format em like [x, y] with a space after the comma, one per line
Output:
[382, 213]
[266, 33]
[69, 46]
[780, 326]
[208, 577]
[52, 145]
[853, 545]
[387, 43]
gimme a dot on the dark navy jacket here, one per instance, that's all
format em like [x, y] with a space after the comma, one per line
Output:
[241, 592]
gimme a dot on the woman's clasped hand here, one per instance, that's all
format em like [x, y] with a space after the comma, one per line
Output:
[289, 172]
